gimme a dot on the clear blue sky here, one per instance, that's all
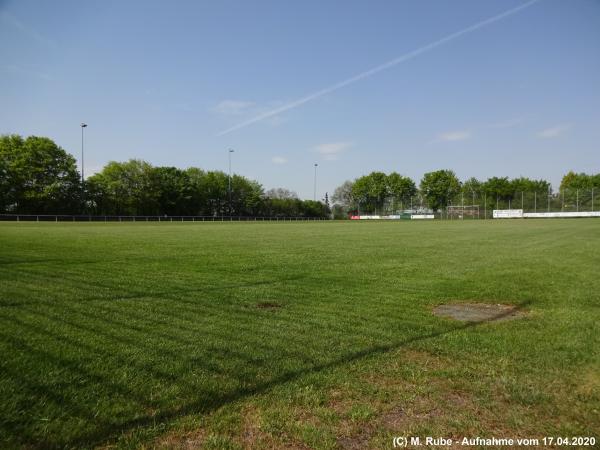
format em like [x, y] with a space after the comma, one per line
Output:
[160, 80]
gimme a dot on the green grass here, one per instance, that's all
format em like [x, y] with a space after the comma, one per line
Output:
[151, 335]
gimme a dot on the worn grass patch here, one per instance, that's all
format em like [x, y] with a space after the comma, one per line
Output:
[478, 312]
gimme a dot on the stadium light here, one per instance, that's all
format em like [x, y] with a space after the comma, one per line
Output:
[83, 125]
[315, 191]
[229, 152]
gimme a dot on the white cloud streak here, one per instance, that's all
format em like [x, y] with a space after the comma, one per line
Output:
[332, 151]
[554, 132]
[387, 65]
[451, 136]
[278, 160]
[29, 32]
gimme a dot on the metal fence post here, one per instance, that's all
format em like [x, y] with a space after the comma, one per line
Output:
[485, 205]
[577, 200]
[592, 199]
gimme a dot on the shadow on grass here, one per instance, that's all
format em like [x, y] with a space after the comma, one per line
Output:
[205, 401]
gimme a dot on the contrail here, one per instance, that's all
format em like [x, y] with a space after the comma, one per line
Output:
[377, 69]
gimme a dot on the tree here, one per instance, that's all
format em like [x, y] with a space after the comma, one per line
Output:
[281, 193]
[169, 191]
[472, 185]
[400, 188]
[574, 181]
[217, 192]
[37, 177]
[198, 201]
[343, 197]
[499, 188]
[439, 187]
[123, 188]
[246, 196]
[370, 191]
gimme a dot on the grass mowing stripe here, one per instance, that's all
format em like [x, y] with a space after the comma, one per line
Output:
[155, 328]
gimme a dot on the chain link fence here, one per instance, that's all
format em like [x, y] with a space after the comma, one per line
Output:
[480, 205]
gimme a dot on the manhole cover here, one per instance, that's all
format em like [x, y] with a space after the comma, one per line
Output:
[477, 312]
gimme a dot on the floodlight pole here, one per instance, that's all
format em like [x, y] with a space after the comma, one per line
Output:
[315, 187]
[83, 125]
[229, 152]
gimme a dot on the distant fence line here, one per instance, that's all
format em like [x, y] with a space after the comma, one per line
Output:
[565, 200]
[92, 218]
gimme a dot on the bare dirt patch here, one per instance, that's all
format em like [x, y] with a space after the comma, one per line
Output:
[478, 312]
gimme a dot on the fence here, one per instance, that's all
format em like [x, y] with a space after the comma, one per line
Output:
[480, 205]
[85, 218]
[566, 200]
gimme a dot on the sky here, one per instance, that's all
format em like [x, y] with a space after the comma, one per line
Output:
[485, 88]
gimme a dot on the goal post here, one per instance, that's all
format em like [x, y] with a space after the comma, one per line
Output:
[461, 212]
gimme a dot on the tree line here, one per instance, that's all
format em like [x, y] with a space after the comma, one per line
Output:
[377, 191]
[39, 177]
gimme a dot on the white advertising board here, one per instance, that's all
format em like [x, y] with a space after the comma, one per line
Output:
[562, 214]
[507, 214]
[422, 216]
[369, 217]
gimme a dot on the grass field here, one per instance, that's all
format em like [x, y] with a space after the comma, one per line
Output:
[295, 335]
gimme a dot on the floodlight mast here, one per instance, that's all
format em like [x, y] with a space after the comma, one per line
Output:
[315, 187]
[229, 152]
[83, 125]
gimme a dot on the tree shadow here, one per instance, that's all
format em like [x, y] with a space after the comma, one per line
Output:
[215, 402]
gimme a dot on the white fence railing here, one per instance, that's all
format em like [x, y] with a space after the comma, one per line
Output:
[86, 218]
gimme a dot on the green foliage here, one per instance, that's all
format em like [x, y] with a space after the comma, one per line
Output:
[400, 188]
[574, 180]
[137, 188]
[523, 184]
[371, 191]
[37, 176]
[439, 187]
[472, 186]
[122, 188]
[500, 188]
